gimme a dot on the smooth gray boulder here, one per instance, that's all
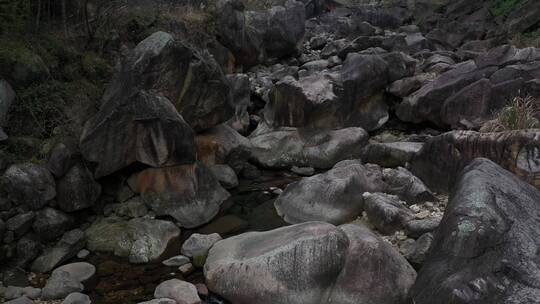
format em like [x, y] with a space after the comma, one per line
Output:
[386, 212]
[334, 197]
[30, 185]
[181, 291]
[21, 223]
[374, 272]
[289, 147]
[406, 186]
[141, 240]
[80, 271]
[13, 292]
[21, 300]
[198, 245]
[77, 298]
[66, 248]
[59, 285]
[312, 262]
[485, 248]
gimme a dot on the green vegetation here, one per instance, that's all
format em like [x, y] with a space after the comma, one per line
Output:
[260, 4]
[503, 7]
[520, 114]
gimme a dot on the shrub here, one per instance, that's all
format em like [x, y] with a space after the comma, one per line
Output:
[95, 67]
[38, 110]
[503, 7]
[520, 114]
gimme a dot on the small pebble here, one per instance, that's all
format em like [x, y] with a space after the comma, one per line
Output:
[176, 261]
[83, 254]
[186, 269]
[422, 215]
[415, 208]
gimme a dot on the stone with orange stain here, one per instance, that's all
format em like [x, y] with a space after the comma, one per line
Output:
[189, 193]
[217, 145]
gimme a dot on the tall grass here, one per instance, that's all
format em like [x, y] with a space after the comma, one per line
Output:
[520, 114]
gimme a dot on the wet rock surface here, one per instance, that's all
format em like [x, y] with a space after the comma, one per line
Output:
[274, 256]
[489, 220]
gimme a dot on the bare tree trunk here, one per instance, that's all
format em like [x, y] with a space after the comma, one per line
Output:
[38, 15]
[89, 31]
[64, 17]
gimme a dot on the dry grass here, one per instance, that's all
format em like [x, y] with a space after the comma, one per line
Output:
[520, 114]
[523, 40]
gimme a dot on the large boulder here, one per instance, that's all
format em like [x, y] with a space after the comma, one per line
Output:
[426, 103]
[471, 91]
[189, 193]
[253, 36]
[485, 248]
[143, 128]
[77, 189]
[140, 240]
[312, 101]
[308, 263]
[30, 185]
[190, 79]
[334, 197]
[289, 147]
[364, 79]
[352, 96]
[66, 248]
[392, 154]
[285, 28]
[245, 42]
[443, 157]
